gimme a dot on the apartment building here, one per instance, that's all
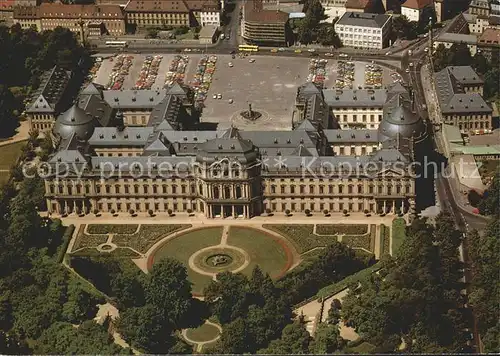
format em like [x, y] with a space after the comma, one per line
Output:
[157, 13]
[27, 17]
[264, 26]
[489, 43]
[7, 12]
[414, 9]
[108, 18]
[459, 91]
[364, 30]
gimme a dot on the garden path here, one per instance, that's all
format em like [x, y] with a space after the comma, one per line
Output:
[376, 248]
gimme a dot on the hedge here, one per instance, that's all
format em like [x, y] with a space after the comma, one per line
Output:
[65, 242]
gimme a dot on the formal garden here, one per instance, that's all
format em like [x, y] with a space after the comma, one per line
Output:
[127, 240]
[205, 253]
[308, 236]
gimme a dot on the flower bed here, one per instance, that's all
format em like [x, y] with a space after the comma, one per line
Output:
[301, 236]
[344, 229]
[365, 241]
[147, 236]
[112, 228]
[84, 241]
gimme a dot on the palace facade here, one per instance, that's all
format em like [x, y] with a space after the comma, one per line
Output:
[102, 164]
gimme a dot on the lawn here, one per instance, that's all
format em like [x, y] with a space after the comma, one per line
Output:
[301, 236]
[146, 237]
[203, 333]
[264, 250]
[183, 246]
[10, 154]
[4, 178]
[398, 234]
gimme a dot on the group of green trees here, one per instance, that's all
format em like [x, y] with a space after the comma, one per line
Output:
[459, 55]
[415, 300]
[404, 29]
[40, 301]
[311, 30]
[484, 250]
[26, 54]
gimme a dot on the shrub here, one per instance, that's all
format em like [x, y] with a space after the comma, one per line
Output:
[189, 211]
[325, 212]
[65, 242]
[367, 212]
[131, 212]
[307, 212]
[268, 211]
[169, 211]
[113, 212]
[150, 212]
[96, 212]
[345, 212]
[287, 212]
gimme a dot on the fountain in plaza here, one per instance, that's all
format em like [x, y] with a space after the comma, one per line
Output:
[250, 114]
[219, 260]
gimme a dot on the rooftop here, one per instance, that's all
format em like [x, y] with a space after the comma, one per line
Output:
[358, 4]
[457, 38]
[363, 19]
[55, 10]
[417, 4]
[355, 97]
[490, 36]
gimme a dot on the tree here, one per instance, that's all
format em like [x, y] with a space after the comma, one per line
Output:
[491, 82]
[169, 292]
[327, 340]
[80, 306]
[295, 339]
[10, 344]
[402, 28]
[234, 338]
[480, 63]
[8, 106]
[146, 329]
[490, 204]
[418, 297]
[88, 338]
[227, 296]
[460, 55]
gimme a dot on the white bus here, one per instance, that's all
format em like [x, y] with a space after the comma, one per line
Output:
[117, 44]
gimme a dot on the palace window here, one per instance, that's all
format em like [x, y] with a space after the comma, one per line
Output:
[238, 192]
[227, 192]
[292, 189]
[174, 189]
[360, 189]
[341, 189]
[311, 189]
[216, 192]
[282, 189]
[108, 189]
[273, 189]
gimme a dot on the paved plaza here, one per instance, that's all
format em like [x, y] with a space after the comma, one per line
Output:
[269, 83]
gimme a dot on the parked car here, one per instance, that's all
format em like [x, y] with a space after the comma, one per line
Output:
[298, 51]
[219, 96]
[251, 60]
[230, 64]
[311, 50]
[281, 49]
[230, 101]
[274, 50]
[214, 96]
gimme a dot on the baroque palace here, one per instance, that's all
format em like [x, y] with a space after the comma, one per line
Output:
[118, 151]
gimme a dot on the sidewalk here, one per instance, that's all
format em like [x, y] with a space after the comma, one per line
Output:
[279, 218]
[22, 133]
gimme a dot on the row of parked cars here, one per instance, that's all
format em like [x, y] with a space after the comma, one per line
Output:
[149, 72]
[121, 69]
[177, 70]
[203, 78]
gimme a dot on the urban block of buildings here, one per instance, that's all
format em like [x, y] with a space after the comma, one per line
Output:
[459, 90]
[108, 17]
[364, 30]
[230, 172]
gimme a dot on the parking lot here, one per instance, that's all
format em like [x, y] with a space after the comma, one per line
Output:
[269, 84]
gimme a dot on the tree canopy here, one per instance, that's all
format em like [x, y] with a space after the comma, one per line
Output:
[418, 297]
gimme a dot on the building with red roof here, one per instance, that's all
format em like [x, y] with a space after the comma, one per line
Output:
[6, 11]
[414, 9]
